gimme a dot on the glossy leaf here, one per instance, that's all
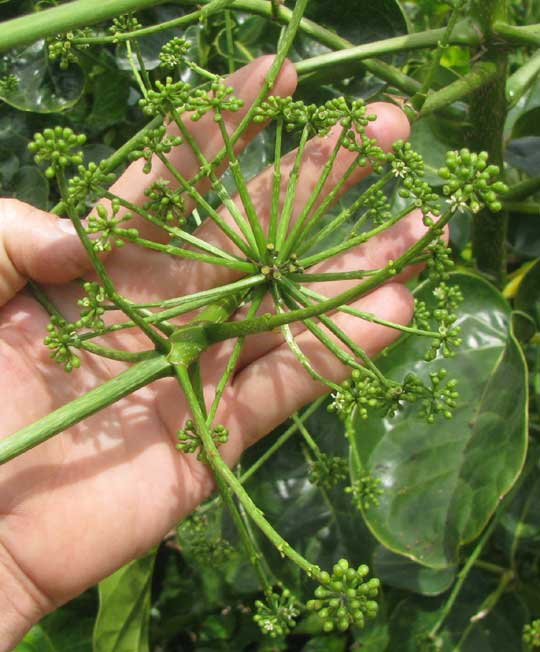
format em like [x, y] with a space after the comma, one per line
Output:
[471, 625]
[442, 482]
[403, 573]
[69, 629]
[42, 86]
[124, 608]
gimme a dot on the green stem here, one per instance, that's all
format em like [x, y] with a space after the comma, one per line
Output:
[295, 348]
[464, 34]
[93, 401]
[233, 359]
[276, 183]
[527, 208]
[80, 13]
[241, 186]
[160, 343]
[373, 319]
[282, 439]
[140, 83]
[307, 437]
[220, 332]
[288, 204]
[230, 41]
[487, 605]
[353, 241]
[479, 76]
[514, 35]
[173, 231]
[240, 266]
[464, 572]
[345, 214]
[221, 469]
[192, 191]
[488, 110]
[300, 228]
[218, 185]
[115, 354]
[188, 19]
[369, 367]
[523, 190]
[419, 99]
[520, 81]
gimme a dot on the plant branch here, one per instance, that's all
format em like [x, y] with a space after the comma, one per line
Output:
[93, 401]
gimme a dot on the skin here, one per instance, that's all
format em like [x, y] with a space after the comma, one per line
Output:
[102, 493]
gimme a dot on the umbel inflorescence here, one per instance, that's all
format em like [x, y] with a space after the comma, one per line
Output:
[275, 260]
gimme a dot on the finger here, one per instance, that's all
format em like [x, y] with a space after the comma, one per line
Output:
[247, 83]
[374, 254]
[391, 125]
[285, 386]
[36, 245]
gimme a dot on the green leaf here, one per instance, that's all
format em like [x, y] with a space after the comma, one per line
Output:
[65, 630]
[124, 608]
[403, 573]
[528, 294]
[468, 628]
[30, 185]
[443, 482]
[42, 86]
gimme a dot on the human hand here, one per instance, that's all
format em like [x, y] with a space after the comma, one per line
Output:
[103, 492]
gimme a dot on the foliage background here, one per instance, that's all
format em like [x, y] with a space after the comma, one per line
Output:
[423, 531]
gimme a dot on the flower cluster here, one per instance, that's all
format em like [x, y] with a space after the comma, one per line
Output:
[471, 183]
[56, 146]
[166, 97]
[405, 161]
[124, 24]
[165, 203]
[61, 339]
[327, 470]
[277, 615]
[219, 98]
[61, 49]
[365, 491]
[155, 141]
[9, 84]
[344, 598]
[89, 185]
[201, 539]
[531, 635]
[91, 305]
[366, 393]
[107, 222]
[174, 52]
[189, 440]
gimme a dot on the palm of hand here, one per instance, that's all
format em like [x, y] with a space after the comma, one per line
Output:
[104, 491]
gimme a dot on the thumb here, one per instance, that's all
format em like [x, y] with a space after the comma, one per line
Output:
[36, 245]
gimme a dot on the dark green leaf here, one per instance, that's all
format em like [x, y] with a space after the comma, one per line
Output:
[442, 482]
[30, 185]
[403, 573]
[124, 609]
[42, 86]
[471, 625]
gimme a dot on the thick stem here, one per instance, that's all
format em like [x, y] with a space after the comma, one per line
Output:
[81, 13]
[479, 76]
[95, 400]
[463, 34]
[522, 35]
[488, 116]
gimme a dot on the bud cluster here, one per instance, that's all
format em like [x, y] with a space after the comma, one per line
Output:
[344, 598]
[277, 615]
